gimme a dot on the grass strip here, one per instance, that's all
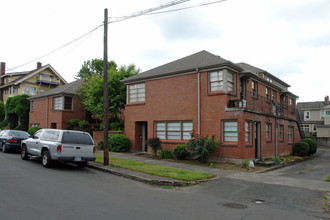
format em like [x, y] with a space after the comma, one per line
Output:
[327, 179]
[157, 170]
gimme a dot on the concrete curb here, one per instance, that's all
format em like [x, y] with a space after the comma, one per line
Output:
[142, 177]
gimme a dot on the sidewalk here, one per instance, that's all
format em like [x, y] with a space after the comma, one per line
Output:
[157, 180]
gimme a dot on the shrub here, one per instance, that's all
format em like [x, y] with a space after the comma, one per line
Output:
[202, 147]
[312, 145]
[155, 144]
[33, 130]
[245, 164]
[300, 149]
[83, 124]
[180, 152]
[100, 144]
[276, 160]
[73, 124]
[118, 143]
[166, 154]
[117, 126]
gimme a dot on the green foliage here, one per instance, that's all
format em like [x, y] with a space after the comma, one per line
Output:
[118, 143]
[312, 145]
[2, 111]
[166, 154]
[73, 124]
[91, 92]
[83, 124]
[4, 123]
[154, 143]
[327, 179]
[100, 144]
[180, 152]
[17, 110]
[33, 130]
[94, 67]
[276, 160]
[117, 126]
[202, 147]
[300, 149]
[245, 164]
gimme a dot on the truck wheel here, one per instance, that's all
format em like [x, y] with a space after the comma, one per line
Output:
[24, 153]
[81, 164]
[46, 160]
[4, 148]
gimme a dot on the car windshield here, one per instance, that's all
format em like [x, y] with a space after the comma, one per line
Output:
[76, 138]
[18, 134]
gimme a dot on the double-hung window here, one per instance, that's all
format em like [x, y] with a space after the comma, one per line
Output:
[268, 131]
[136, 93]
[254, 86]
[290, 133]
[62, 103]
[173, 130]
[281, 132]
[230, 131]
[248, 133]
[221, 80]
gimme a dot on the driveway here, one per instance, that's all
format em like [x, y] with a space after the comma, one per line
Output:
[308, 174]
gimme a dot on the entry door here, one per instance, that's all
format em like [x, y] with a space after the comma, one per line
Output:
[144, 136]
[257, 141]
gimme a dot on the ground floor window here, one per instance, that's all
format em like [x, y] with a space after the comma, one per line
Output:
[290, 132]
[268, 131]
[229, 131]
[305, 128]
[248, 133]
[281, 132]
[34, 125]
[173, 130]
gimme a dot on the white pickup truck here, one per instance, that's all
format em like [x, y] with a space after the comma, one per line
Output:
[64, 145]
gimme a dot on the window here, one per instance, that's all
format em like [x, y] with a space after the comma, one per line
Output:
[76, 138]
[248, 132]
[136, 93]
[307, 114]
[221, 81]
[254, 86]
[322, 114]
[29, 90]
[58, 103]
[34, 125]
[14, 90]
[327, 112]
[67, 103]
[269, 131]
[290, 133]
[268, 93]
[230, 131]
[281, 132]
[305, 128]
[173, 130]
[31, 105]
[51, 135]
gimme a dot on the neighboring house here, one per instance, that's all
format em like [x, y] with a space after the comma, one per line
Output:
[251, 112]
[54, 108]
[34, 82]
[315, 119]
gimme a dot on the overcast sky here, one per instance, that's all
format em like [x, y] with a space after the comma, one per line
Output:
[288, 38]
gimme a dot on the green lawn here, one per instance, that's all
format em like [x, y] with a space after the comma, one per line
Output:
[327, 179]
[157, 170]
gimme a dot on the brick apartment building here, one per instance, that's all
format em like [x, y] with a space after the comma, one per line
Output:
[250, 110]
[54, 108]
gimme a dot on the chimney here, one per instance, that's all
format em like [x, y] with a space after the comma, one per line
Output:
[2, 68]
[39, 65]
[326, 100]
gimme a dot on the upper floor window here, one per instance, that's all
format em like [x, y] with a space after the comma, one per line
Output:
[327, 112]
[307, 114]
[29, 90]
[322, 114]
[136, 93]
[62, 103]
[221, 81]
[254, 86]
[268, 93]
[31, 105]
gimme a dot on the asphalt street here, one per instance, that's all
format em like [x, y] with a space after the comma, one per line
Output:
[30, 191]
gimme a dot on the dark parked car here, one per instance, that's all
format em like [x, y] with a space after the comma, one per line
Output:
[11, 139]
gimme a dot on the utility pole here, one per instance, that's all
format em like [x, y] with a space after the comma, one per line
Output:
[105, 91]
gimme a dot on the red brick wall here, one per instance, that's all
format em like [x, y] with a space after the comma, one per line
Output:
[176, 98]
[39, 113]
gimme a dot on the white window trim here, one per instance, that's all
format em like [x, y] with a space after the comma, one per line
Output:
[224, 81]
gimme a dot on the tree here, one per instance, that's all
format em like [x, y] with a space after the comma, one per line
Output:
[17, 110]
[91, 93]
[94, 67]
[2, 111]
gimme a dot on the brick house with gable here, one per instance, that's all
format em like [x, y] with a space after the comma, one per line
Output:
[54, 108]
[251, 111]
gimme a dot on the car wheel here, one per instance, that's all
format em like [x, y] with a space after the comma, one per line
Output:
[81, 164]
[46, 160]
[24, 153]
[4, 148]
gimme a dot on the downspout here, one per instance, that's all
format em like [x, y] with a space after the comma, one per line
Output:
[199, 101]
[276, 124]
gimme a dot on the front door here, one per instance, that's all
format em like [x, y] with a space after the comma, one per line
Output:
[257, 138]
[141, 133]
